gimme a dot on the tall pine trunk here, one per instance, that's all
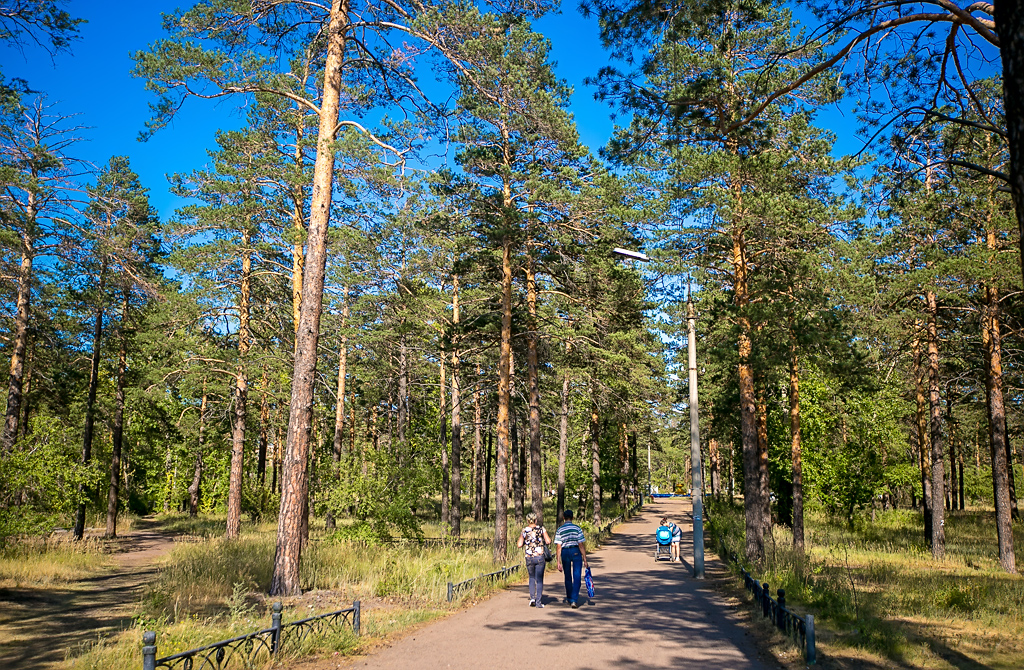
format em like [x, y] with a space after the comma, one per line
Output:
[533, 381]
[991, 341]
[762, 460]
[1009, 21]
[487, 473]
[1014, 512]
[403, 394]
[923, 442]
[715, 456]
[195, 488]
[20, 342]
[623, 470]
[563, 445]
[288, 553]
[595, 462]
[241, 392]
[935, 407]
[298, 197]
[518, 457]
[261, 458]
[90, 404]
[337, 445]
[445, 465]
[950, 431]
[753, 507]
[455, 512]
[504, 397]
[794, 431]
[478, 457]
[117, 427]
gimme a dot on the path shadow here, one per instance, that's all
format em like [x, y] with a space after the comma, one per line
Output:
[660, 600]
[42, 625]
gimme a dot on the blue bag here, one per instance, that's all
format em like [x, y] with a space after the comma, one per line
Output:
[588, 579]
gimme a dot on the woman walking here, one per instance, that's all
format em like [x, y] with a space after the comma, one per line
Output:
[534, 538]
[571, 549]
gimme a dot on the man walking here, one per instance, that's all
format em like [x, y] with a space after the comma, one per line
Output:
[571, 550]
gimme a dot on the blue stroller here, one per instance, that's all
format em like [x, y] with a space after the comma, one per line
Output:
[664, 546]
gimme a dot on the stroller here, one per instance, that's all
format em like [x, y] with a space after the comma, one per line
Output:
[664, 546]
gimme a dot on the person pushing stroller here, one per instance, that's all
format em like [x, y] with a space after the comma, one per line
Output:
[669, 534]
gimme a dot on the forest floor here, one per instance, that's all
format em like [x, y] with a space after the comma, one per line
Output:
[41, 625]
[644, 615]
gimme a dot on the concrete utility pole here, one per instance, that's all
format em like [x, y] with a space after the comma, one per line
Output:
[695, 466]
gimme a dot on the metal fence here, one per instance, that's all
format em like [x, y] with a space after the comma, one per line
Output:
[454, 590]
[254, 650]
[606, 530]
[431, 542]
[798, 628]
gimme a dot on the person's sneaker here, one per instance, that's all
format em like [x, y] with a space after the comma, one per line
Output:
[540, 604]
[565, 601]
[533, 603]
[574, 606]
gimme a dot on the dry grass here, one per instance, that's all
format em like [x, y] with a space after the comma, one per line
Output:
[48, 561]
[199, 578]
[123, 650]
[880, 600]
[212, 589]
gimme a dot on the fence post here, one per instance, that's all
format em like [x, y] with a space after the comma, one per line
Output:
[275, 623]
[766, 600]
[451, 591]
[811, 655]
[355, 617]
[149, 650]
[780, 614]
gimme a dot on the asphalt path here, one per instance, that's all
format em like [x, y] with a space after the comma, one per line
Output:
[644, 615]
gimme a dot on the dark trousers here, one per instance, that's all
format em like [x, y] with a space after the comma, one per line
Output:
[572, 565]
[535, 568]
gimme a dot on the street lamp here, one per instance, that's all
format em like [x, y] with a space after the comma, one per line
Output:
[642, 258]
[633, 255]
[696, 485]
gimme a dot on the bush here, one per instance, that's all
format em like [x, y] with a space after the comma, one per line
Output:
[40, 480]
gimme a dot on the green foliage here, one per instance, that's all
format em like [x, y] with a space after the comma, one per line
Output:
[40, 479]
[385, 499]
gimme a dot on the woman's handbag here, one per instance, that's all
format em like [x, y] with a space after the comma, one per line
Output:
[548, 556]
[588, 579]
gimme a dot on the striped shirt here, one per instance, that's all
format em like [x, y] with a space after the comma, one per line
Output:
[569, 535]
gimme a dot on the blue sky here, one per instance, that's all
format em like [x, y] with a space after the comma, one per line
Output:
[94, 83]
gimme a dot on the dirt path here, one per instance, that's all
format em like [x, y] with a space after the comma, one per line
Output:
[40, 626]
[644, 616]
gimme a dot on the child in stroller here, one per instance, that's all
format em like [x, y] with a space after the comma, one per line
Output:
[663, 548]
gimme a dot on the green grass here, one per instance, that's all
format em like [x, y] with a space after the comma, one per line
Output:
[876, 591]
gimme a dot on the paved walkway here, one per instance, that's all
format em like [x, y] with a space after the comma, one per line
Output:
[644, 616]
